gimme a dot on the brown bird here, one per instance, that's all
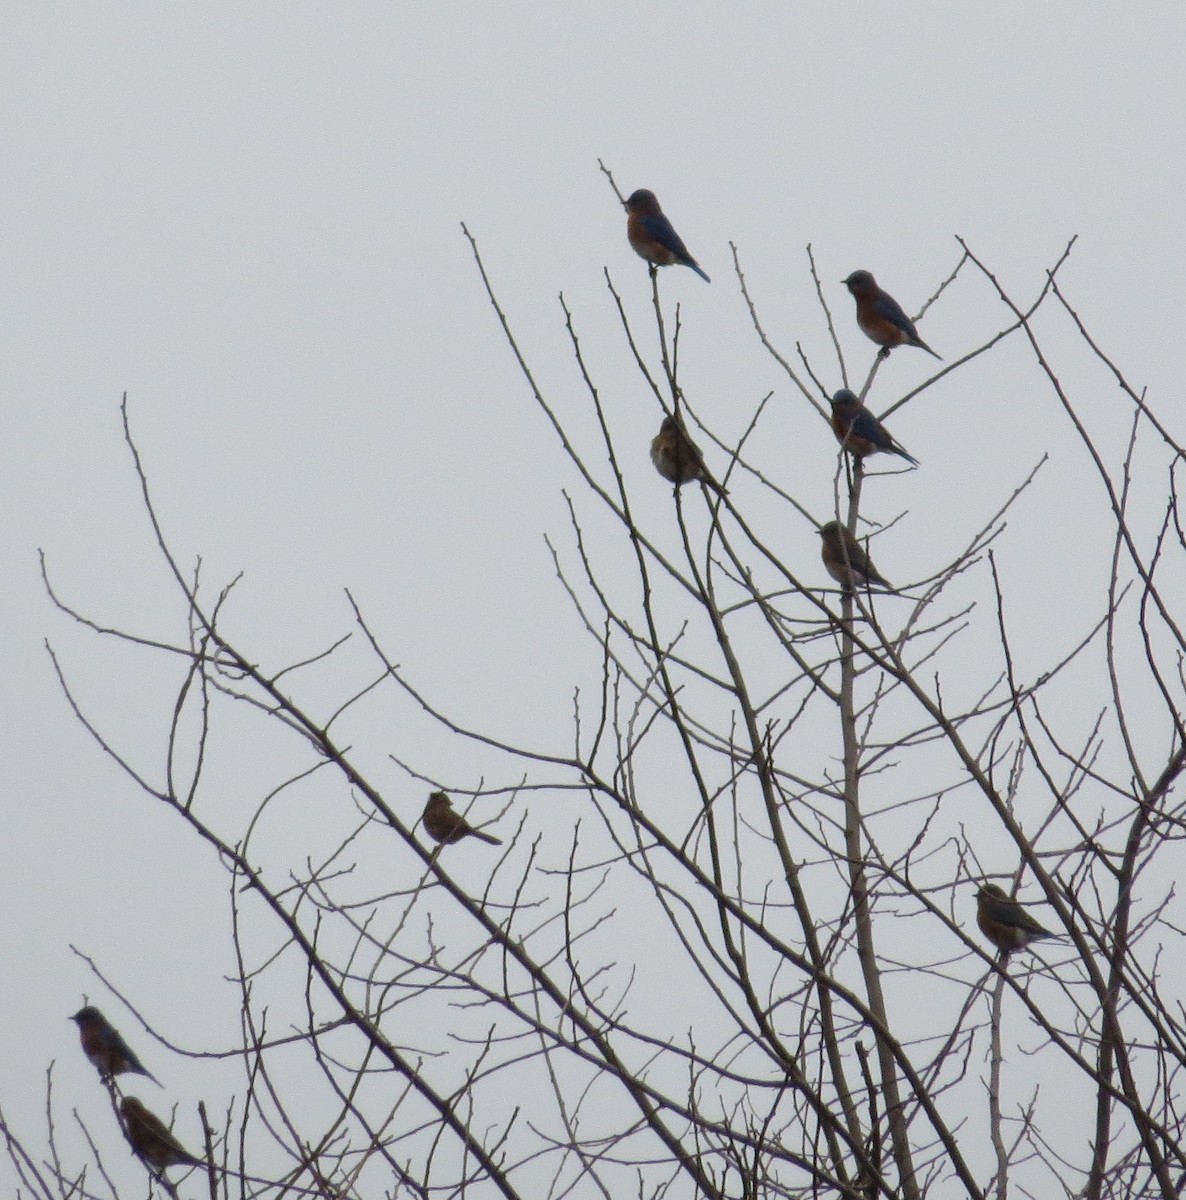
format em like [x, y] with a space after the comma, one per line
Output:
[102, 1044]
[151, 1140]
[677, 458]
[445, 824]
[846, 559]
[1004, 922]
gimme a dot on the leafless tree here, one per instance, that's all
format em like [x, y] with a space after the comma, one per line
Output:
[728, 945]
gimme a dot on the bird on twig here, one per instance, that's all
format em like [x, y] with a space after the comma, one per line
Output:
[652, 236]
[677, 458]
[881, 317]
[151, 1139]
[859, 431]
[846, 560]
[1005, 922]
[102, 1044]
[445, 824]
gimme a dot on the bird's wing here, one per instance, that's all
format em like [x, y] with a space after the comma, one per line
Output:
[866, 425]
[888, 308]
[660, 228]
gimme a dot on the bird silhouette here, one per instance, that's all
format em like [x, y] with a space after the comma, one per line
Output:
[1005, 922]
[445, 824]
[677, 458]
[151, 1139]
[846, 560]
[102, 1044]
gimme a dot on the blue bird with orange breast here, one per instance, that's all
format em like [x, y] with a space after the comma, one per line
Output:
[859, 431]
[652, 236]
[103, 1045]
[881, 317]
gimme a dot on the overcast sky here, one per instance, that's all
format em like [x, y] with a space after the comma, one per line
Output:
[247, 217]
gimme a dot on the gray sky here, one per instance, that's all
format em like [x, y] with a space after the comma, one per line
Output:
[247, 217]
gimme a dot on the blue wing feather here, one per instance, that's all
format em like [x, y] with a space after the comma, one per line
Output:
[660, 228]
[889, 309]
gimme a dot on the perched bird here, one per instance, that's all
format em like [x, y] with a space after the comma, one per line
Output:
[445, 824]
[847, 561]
[677, 458]
[859, 431]
[1004, 922]
[881, 317]
[652, 236]
[151, 1139]
[102, 1044]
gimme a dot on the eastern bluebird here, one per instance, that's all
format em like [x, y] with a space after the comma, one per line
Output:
[652, 236]
[445, 824]
[105, 1048]
[151, 1140]
[859, 431]
[1004, 922]
[677, 458]
[881, 317]
[846, 560]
